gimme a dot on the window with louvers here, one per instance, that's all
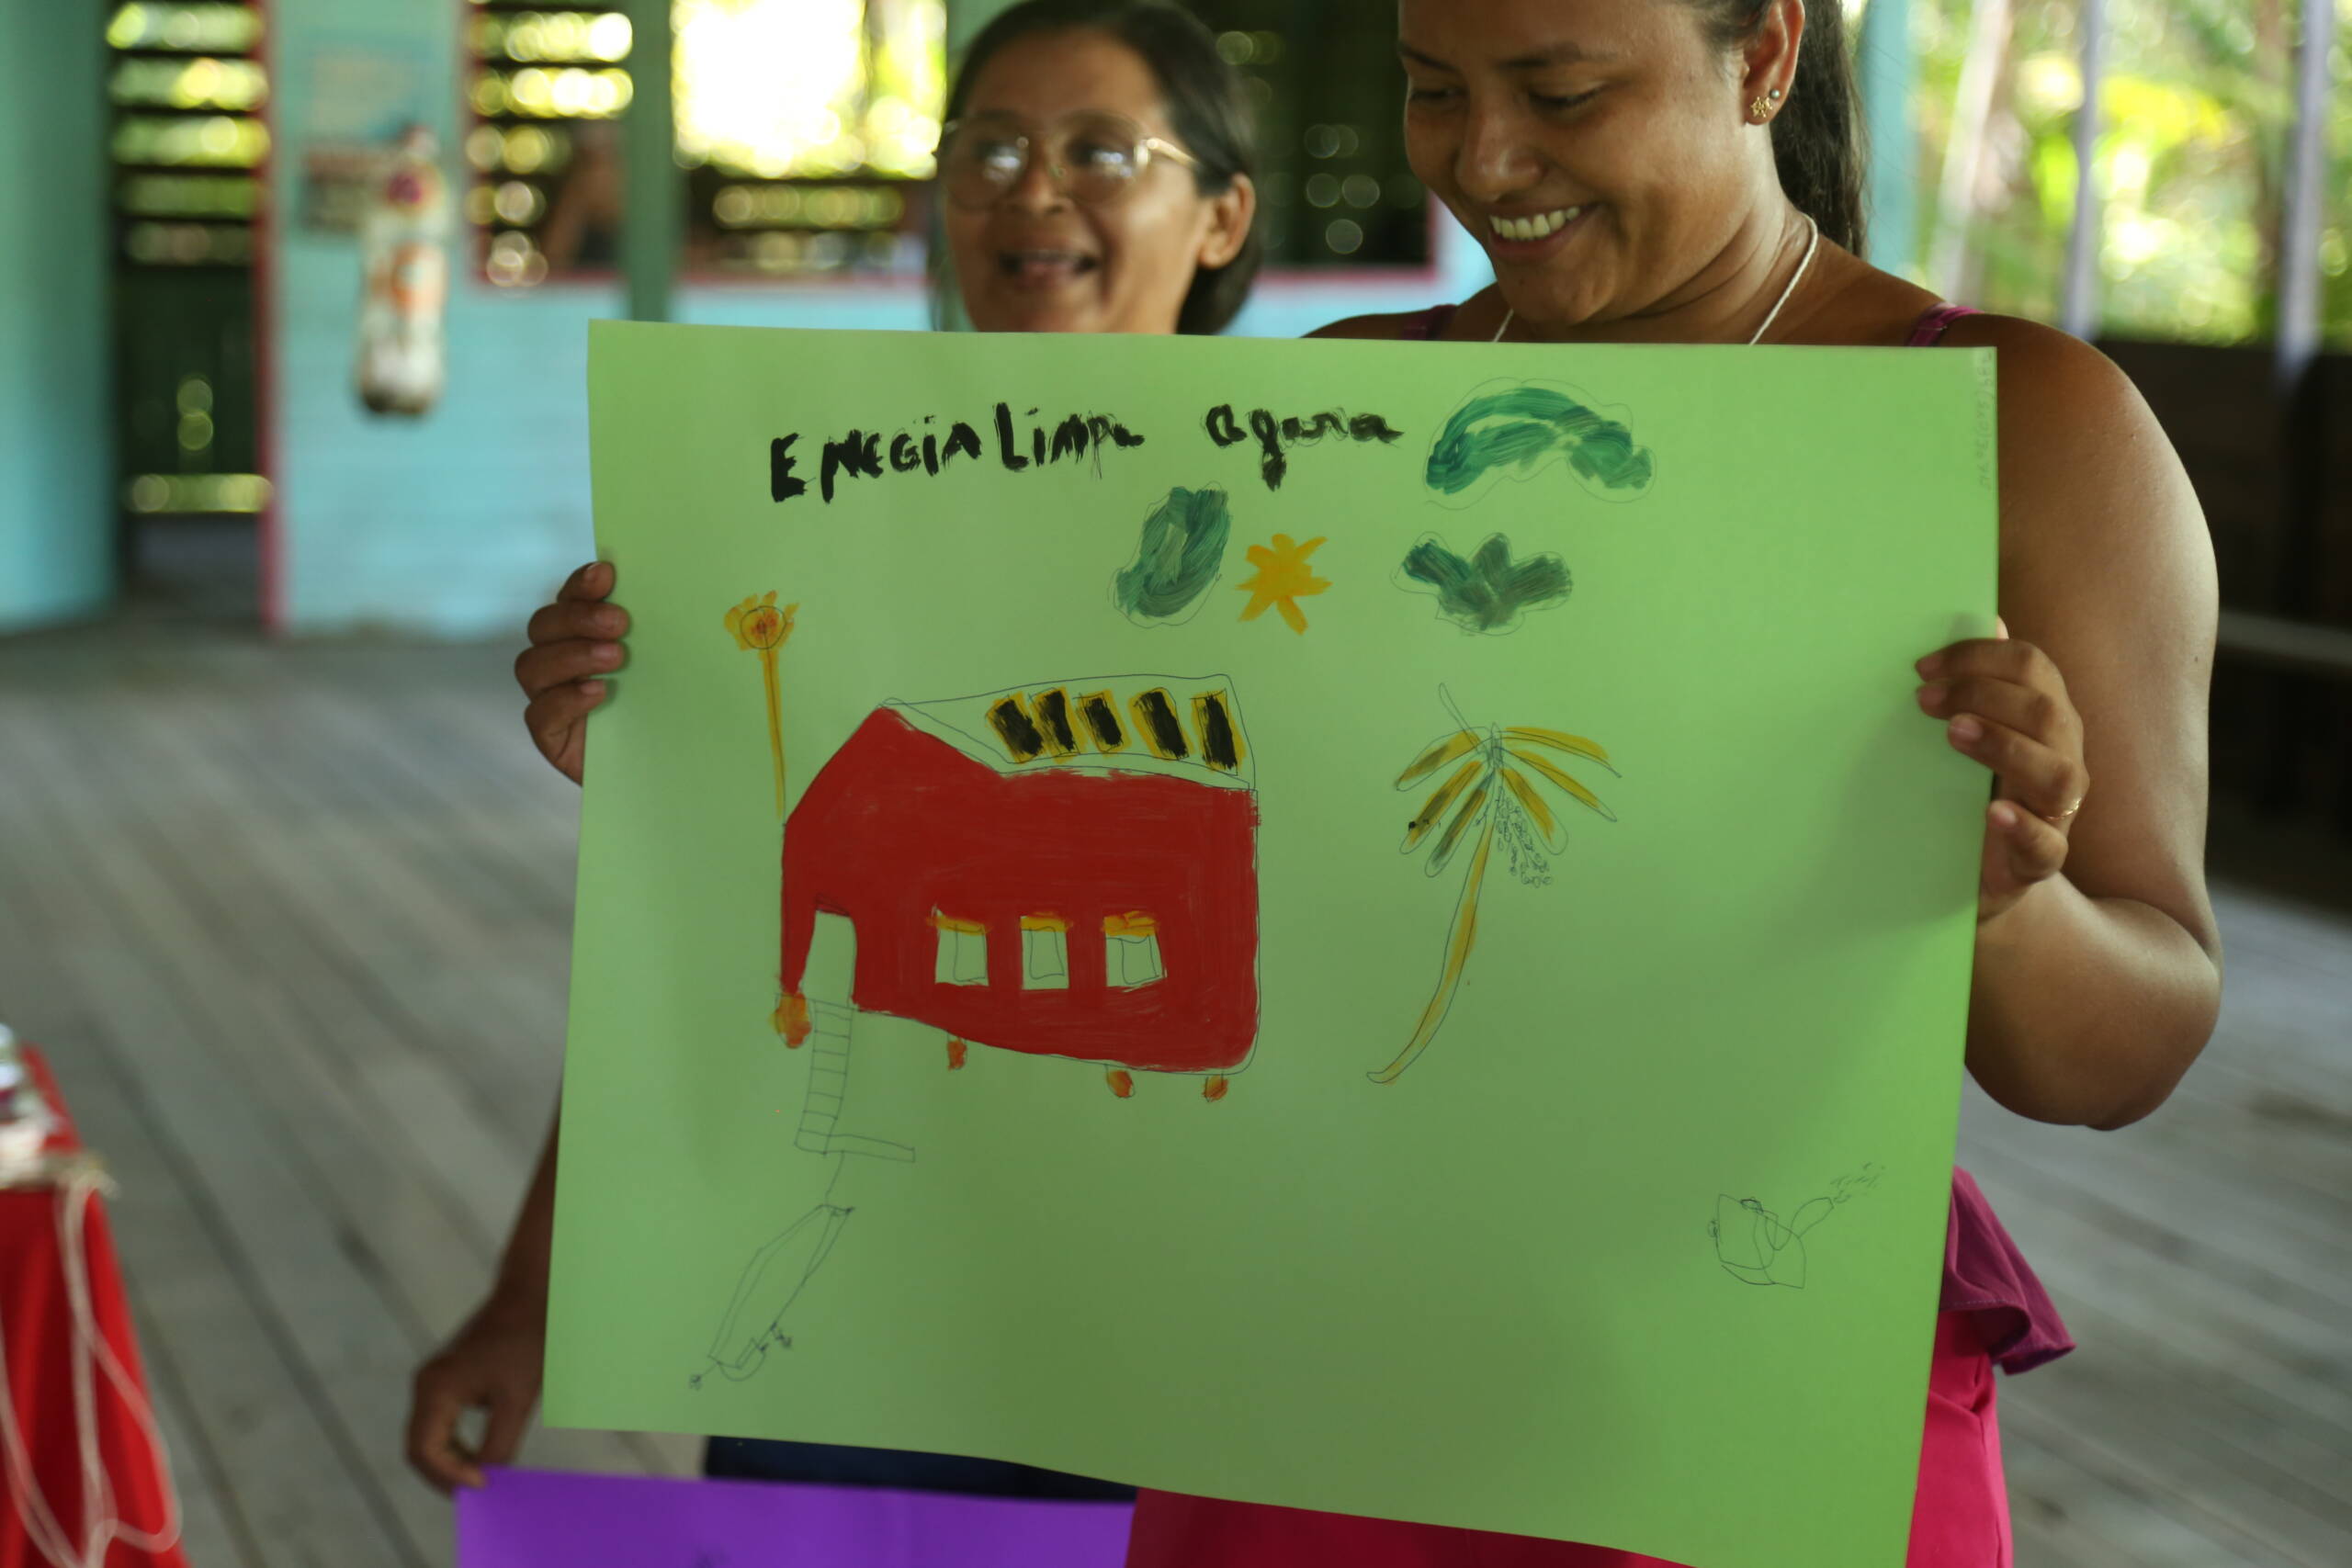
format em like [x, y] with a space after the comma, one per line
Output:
[189, 146]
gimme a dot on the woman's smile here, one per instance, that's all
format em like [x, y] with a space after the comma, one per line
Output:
[1036, 268]
[1527, 235]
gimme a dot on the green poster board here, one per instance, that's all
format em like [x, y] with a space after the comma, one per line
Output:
[1365, 926]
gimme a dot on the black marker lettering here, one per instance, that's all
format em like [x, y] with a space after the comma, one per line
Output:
[1221, 427]
[904, 458]
[1004, 449]
[963, 438]
[1274, 465]
[1069, 439]
[857, 452]
[782, 486]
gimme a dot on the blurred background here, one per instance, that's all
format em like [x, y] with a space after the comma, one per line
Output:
[285, 894]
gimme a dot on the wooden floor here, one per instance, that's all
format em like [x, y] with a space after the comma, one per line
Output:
[292, 923]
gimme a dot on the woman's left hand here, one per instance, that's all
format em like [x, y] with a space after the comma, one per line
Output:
[2004, 703]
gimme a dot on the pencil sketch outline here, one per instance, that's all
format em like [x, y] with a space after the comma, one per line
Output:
[1756, 1246]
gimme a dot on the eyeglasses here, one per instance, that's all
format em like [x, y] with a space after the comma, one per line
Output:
[1093, 159]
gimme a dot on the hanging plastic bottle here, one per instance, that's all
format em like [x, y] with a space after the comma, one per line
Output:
[404, 250]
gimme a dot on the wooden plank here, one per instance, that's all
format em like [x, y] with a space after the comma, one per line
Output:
[212, 1530]
[2200, 1319]
[327, 1297]
[376, 1195]
[2250, 1520]
[2070, 1508]
[2213, 1217]
[373, 1153]
[304, 889]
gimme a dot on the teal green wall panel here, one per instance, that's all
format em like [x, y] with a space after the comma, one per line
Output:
[57, 507]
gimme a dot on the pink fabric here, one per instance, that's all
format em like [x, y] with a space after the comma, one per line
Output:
[1932, 323]
[1960, 1516]
[1988, 1278]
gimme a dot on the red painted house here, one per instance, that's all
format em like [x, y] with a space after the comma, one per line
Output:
[1067, 870]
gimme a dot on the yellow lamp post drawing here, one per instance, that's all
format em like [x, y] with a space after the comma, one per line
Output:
[758, 627]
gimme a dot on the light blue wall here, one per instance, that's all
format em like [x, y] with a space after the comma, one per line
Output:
[57, 511]
[454, 522]
[458, 524]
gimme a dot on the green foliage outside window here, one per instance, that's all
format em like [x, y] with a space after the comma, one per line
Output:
[2196, 110]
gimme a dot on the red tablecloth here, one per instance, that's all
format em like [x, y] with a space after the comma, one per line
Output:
[40, 1337]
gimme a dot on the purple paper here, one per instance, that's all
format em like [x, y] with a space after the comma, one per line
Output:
[538, 1519]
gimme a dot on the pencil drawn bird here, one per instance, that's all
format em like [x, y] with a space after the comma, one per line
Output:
[1495, 789]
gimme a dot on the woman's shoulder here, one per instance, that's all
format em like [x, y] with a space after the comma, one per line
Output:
[2053, 386]
[1388, 328]
[1474, 319]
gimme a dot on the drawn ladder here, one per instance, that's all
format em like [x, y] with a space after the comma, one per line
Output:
[830, 1029]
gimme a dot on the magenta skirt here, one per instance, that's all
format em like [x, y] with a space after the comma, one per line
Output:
[1960, 1516]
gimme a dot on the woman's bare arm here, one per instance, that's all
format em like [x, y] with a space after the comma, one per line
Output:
[2095, 989]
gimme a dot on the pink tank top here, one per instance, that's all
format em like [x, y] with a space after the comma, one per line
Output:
[1985, 1276]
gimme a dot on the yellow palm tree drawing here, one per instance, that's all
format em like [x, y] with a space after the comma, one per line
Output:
[1493, 789]
[758, 627]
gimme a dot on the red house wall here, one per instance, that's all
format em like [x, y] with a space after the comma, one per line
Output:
[899, 824]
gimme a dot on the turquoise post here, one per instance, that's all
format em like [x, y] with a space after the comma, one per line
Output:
[58, 515]
[653, 202]
[1889, 77]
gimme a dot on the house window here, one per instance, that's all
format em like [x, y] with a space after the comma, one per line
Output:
[1131, 950]
[1045, 953]
[963, 951]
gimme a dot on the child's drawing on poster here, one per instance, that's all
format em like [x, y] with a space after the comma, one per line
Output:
[1253, 900]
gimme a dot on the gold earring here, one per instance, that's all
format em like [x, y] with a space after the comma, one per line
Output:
[1759, 109]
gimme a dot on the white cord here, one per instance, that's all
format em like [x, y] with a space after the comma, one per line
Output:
[1796, 277]
[78, 1185]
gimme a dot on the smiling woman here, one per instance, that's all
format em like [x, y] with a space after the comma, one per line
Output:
[1677, 173]
[1097, 170]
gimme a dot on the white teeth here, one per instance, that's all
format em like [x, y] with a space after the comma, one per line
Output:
[1540, 226]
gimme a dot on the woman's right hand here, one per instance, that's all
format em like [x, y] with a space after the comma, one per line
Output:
[492, 1364]
[574, 643]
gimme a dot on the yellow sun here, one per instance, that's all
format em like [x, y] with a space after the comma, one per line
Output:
[1283, 579]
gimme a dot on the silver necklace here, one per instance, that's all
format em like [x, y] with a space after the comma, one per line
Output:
[1796, 277]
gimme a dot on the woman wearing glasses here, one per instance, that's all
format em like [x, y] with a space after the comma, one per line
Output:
[1096, 173]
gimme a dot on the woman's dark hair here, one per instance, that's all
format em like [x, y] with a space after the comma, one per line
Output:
[1815, 139]
[1205, 106]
